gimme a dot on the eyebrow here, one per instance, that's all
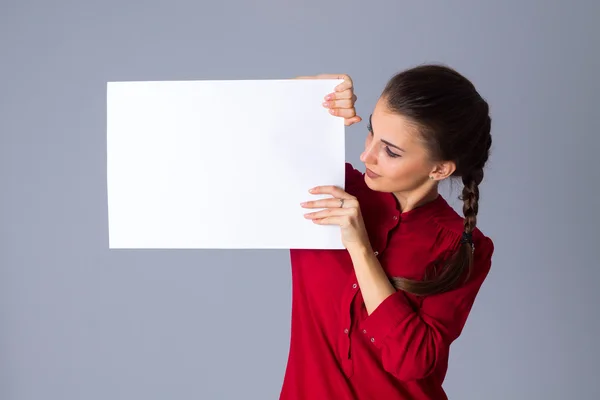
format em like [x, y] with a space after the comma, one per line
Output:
[385, 141]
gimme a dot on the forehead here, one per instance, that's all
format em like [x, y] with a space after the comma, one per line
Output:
[393, 127]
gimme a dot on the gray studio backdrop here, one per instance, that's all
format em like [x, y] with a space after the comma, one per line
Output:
[80, 322]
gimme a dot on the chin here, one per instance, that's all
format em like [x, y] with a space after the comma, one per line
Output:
[380, 185]
[373, 184]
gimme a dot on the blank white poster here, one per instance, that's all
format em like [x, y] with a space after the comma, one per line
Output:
[220, 164]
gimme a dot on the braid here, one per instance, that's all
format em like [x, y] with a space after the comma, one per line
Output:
[470, 198]
[474, 176]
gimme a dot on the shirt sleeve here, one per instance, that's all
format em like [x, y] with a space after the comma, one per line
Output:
[411, 341]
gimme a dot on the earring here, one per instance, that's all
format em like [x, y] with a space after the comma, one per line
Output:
[431, 177]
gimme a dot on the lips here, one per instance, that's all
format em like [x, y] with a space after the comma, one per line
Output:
[372, 174]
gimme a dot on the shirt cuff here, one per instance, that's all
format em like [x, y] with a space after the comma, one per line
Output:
[388, 315]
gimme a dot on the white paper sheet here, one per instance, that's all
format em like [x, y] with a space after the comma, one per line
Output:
[220, 164]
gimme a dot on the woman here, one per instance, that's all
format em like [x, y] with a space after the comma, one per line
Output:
[376, 320]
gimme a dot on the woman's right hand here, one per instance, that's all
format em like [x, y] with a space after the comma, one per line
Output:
[341, 102]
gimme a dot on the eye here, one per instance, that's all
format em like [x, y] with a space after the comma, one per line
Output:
[391, 153]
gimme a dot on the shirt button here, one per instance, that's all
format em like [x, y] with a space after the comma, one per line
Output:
[364, 331]
[376, 253]
[395, 217]
[354, 286]
[372, 339]
[346, 331]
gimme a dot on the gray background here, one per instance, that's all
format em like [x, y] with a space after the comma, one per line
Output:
[78, 321]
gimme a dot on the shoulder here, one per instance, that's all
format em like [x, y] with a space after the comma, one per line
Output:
[451, 224]
[449, 227]
[354, 179]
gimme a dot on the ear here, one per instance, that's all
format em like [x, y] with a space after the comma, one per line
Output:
[442, 170]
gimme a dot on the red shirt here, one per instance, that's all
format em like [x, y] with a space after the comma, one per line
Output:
[400, 351]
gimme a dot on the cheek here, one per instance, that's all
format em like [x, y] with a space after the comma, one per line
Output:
[404, 171]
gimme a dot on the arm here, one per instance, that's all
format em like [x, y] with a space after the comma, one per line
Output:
[372, 279]
[412, 341]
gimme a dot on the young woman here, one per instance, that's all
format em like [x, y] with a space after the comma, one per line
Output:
[375, 321]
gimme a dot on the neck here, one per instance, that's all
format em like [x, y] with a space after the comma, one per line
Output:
[410, 200]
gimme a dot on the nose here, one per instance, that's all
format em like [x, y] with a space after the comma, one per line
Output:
[369, 156]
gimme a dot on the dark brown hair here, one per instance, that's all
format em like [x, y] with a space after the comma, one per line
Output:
[454, 123]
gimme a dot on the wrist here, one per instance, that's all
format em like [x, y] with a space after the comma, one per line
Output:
[360, 249]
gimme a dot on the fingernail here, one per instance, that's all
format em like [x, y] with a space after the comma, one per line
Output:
[328, 97]
[311, 190]
[332, 111]
[303, 204]
[326, 104]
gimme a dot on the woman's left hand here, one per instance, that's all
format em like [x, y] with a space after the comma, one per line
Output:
[341, 102]
[342, 210]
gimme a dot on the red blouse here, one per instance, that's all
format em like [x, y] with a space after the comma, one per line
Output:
[400, 351]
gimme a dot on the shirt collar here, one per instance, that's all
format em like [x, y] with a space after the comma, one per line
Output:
[423, 211]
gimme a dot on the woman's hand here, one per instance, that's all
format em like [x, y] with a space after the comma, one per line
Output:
[342, 210]
[341, 102]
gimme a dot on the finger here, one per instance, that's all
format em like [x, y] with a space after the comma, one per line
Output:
[343, 112]
[347, 84]
[344, 103]
[330, 203]
[353, 120]
[346, 94]
[332, 190]
[341, 221]
[331, 212]
[345, 77]
[333, 76]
